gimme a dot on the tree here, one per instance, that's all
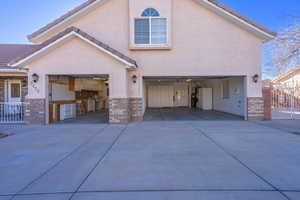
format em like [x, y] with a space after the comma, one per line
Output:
[286, 48]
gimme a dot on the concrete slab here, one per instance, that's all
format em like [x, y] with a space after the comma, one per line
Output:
[275, 157]
[177, 114]
[5, 197]
[291, 126]
[173, 156]
[293, 195]
[69, 174]
[216, 195]
[26, 156]
[44, 197]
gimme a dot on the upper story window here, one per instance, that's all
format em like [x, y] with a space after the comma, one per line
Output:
[150, 28]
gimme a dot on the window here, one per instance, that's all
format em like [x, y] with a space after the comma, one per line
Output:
[225, 89]
[150, 28]
[15, 90]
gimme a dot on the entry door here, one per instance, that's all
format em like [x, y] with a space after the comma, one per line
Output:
[14, 91]
[181, 96]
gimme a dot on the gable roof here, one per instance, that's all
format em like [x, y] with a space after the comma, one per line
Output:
[9, 52]
[212, 4]
[70, 32]
[286, 75]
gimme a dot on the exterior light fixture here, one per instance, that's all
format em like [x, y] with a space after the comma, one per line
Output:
[134, 78]
[35, 78]
[255, 78]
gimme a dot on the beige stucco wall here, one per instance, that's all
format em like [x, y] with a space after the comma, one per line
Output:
[78, 57]
[203, 44]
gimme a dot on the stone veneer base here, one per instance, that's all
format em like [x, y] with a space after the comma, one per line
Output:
[35, 112]
[136, 109]
[119, 111]
[255, 108]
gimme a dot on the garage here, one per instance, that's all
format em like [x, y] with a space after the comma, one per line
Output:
[80, 99]
[186, 98]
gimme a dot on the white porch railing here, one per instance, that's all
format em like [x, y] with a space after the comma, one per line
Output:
[12, 112]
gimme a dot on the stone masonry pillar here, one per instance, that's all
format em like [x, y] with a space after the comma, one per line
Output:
[255, 106]
[119, 111]
[35, 111]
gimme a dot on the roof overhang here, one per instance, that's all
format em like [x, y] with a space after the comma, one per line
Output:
[286, 75]
[238, 19]
[213, 5]
[71, 15]
[67, 35]
[8, 69]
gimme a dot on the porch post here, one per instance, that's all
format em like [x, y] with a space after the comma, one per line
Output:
[35, 111]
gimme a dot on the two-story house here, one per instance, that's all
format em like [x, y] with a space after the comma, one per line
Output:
[128, 56]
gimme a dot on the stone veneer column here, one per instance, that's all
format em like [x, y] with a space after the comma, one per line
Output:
[136, 109]
[35, 111]
[119, 111]
[255, 108]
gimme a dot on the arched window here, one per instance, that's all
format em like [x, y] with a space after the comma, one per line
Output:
[150, 28]
[150, 12]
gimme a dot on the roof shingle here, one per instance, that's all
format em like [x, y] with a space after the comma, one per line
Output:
[9, 52]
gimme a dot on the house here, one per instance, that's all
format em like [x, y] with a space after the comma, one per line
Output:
[289, 79]
[127, 56]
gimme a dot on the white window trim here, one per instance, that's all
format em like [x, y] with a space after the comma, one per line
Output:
[7, 89]
[150, 31]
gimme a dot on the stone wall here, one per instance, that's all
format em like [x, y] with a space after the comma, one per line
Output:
[119, 111]
[136, 109]
[35, 112]
[255, 108]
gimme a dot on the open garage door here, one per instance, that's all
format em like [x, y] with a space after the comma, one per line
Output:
[209, 98]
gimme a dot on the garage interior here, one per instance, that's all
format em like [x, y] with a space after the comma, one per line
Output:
[78, 99]
[194, 98]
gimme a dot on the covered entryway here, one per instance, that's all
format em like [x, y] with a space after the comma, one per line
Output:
[195, 98]
[80, 99]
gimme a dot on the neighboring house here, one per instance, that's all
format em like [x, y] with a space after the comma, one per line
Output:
[286, 95]
[289, 79]
[130, 55]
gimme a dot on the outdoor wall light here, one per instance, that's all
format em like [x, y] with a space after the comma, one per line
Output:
[35, 78]
[134, 78]
[255, 78]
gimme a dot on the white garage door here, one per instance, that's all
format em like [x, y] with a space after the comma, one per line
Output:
[161, 96]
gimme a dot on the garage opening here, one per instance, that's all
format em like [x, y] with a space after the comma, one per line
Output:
[78, 99]
[195, 98]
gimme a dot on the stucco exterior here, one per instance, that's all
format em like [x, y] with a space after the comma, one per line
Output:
[203, 43]
[200, 43]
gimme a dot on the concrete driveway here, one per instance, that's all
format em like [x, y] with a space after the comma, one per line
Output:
[211, 160]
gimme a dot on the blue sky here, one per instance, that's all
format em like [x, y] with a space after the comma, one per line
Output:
[19, 18]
